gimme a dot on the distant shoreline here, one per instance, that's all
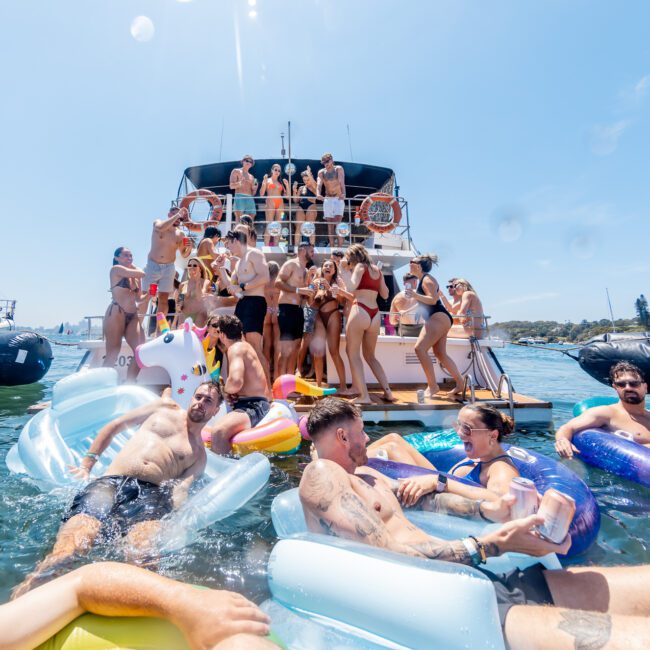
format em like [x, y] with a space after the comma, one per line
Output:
[555, 332]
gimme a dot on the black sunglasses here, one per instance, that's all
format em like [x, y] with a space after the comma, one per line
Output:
[632, 384]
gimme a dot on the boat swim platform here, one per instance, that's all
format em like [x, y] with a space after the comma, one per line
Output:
[438, 411]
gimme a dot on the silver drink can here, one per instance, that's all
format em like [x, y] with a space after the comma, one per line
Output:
[525, 494]
[558, 510]
[420, 394]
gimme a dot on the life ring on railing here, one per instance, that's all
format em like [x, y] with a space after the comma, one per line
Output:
[215, 202]
[379, 197]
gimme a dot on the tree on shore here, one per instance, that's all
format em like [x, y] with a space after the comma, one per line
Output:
[641, 306]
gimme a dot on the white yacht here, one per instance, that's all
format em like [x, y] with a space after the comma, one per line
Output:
[205, 187]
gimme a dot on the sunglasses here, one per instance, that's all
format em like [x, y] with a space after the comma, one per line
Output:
[248, 160]
[214, 326]
[466, 430]
[324, 162]
[192, 266]
[632, 384]
[451, 286]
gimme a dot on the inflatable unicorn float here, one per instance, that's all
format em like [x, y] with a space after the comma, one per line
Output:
[185, 355]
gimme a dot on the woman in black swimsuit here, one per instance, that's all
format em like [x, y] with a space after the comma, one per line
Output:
[437, 323]
[121, 318]
[327, 326]
[305, 197]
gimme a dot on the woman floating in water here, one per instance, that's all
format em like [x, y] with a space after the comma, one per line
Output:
[481, 428]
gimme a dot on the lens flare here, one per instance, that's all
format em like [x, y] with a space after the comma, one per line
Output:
[142, 29]
[582, 245]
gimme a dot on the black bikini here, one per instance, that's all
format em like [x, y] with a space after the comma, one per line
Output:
[430, 310]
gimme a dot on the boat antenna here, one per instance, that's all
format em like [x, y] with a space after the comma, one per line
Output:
[290, 167]
[283, 152]
[223, 121]
[350, 144]
[611, 313]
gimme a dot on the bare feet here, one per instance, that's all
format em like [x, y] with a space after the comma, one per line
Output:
[346, 392]
[359, 400]
[388, 396]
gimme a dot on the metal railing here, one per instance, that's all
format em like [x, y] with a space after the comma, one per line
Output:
[469, 381]
[511, 400]
[291, 219]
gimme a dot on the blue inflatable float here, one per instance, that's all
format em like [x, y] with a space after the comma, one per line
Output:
[543, 471]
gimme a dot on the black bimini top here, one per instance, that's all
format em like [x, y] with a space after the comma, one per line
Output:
[359, 178]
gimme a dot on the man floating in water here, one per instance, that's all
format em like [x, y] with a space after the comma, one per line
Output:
[593, 605]
[148, 478]
[629, 414]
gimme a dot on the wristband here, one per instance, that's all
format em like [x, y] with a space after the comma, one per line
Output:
[471, 547]
[481, 549]
[90, 454]
[297, 289]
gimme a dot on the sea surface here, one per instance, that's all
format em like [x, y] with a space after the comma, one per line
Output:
[233, 553]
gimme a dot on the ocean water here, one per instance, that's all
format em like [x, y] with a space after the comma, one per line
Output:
[233, 553]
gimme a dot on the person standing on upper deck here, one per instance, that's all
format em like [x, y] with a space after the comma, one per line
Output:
[247, 283]
[292, 282]
[166, 239]
[245, 186]
[333, 178]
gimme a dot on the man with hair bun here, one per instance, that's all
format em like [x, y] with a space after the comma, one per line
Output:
[629, 414]
[594, 608]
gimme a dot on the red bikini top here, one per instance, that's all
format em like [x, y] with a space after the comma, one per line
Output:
[368, 283]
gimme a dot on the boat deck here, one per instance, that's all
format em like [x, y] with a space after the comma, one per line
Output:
[438, 411]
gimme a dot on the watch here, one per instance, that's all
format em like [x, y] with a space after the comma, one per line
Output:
[441, 486]
[242, 286]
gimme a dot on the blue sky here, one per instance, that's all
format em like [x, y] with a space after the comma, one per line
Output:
[519, 133]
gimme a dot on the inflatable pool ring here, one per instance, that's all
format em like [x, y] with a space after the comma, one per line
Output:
[373, 226]
[216, 210]
[181, 354]
[543, 471]
[286, 384]
[614, 452]
[393, 592]
[277, 432]
[214, 369]
[280, 436]
[601, 352]
[25, 357]
[302, 426]
[84, 402]
[121, 632]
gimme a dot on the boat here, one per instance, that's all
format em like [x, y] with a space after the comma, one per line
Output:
[25, 356]
[393, 248]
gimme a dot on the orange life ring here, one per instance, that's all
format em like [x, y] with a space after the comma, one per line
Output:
[210, 197]
[380, 197]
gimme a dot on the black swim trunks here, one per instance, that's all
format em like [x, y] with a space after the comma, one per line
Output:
[291, 321]
[255, 407]
[119, 502]
[251, 311]
[517, 587]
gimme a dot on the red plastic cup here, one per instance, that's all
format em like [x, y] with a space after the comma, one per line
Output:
[186, 241]
[153, 289]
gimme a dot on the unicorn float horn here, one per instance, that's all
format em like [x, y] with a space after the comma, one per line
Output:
[163, 325]
[286, 384]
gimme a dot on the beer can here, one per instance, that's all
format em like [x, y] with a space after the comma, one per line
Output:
[420, 394]
[558, 510]
[525, 494]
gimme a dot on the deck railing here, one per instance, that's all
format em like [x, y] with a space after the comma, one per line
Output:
[292, 218]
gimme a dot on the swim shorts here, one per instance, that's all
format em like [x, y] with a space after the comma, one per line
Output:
[409, 330]
[119, 502]
[310, 314]
[251, 311]
[291, 321]
[245, 204]
[517, 587]
[161, 274]
[333, 207]
[255, 407]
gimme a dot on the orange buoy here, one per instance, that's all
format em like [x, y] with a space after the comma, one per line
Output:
[380, 197]
[214, 201]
